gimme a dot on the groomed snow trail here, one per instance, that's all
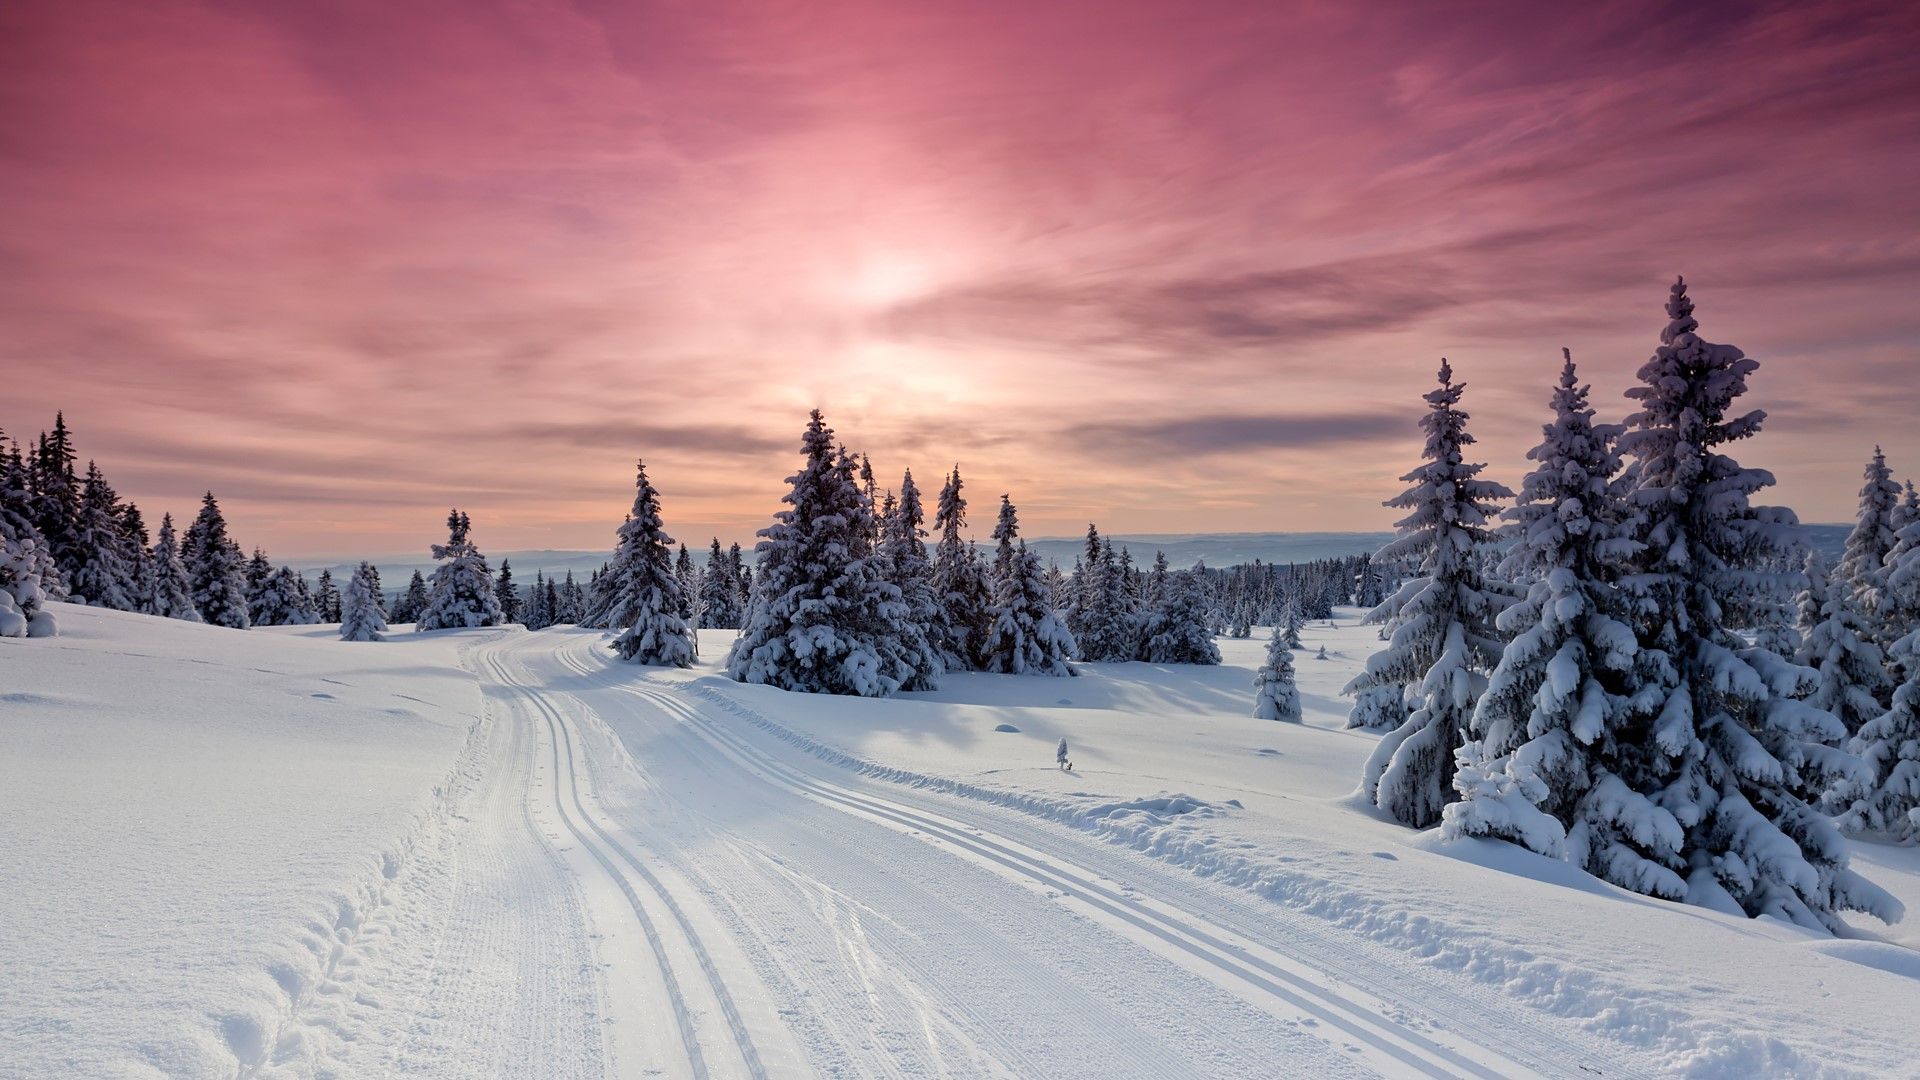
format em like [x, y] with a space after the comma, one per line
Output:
[769, 914]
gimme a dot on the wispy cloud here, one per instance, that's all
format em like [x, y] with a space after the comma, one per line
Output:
[355, 260]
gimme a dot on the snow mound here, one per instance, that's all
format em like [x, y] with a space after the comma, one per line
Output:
[1008, 728]
[1874, 954]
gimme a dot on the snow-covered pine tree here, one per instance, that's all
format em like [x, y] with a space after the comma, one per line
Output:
[461, 594]
[1178, 632]
[717, 588]
[24, 560]
[1112, 635]
[215, 569]
[1727, 745]
[56, 489]
[1908, 511]
[1854, 685]
[742, 581]
[648, 601]
[1025, 636]
[822, 618]
[326, 598]
[1887, 802]
[689, 577]
[360, 618]
[379, 593]
[259, 575]
[507, 594]
[572, 600]
[1897, 607]
[412, 602]
[1446, 639]
[958, 583]
[539, 613]
[1862, 572]
[1275, 697]
[1368, 588]
[1548, 748]
[23, 602]
[556, 605]
[905, 562]
[1291, 624]
[1083, 592]
[284, 601]
[97, 572]
[172, 587]
[1810, 603]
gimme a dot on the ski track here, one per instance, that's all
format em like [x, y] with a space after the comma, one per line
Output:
[1392, 1035]
[468, 956]
[623, 879]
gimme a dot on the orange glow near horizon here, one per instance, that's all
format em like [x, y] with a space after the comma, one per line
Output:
[1165, 267]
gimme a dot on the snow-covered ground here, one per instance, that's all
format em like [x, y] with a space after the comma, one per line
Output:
[495, 853]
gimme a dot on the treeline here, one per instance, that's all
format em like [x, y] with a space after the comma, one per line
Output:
[1642, 671]
[69, 536]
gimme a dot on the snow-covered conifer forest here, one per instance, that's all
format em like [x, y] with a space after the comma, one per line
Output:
[1599, 767]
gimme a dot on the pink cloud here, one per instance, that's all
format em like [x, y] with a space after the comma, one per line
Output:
[349, 262]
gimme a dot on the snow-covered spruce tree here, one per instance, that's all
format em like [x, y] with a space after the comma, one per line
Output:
[1178, 632]
[461, 594]
[215, 569]
[1549, 742]
[507, 594]
[556, 606]
[1897, 608]
[822, 617]
[411, 602]
[360, 618]
[1908, 511]
[24, 560]
[1275, 697]
[717, 588]
[1445, 640]
[1026, 637]
[259, 571]
[97, 572]
[1726, 743]
[539, 613]
[958, 583]
[1111, 634]
[1885, 804]
[172, 587]
[1369, 589]
[742, 581]
[1853, 685]
[1862, 571]
[905, 561]
[1291, 624]
[1810, 603]
[648, 601]
[56, 489]
[326, 598]
[571, 597]
[689, 577]
[283, 600]
[23, 601]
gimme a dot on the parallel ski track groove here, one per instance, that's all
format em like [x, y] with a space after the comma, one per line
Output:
[683, 1018]
[736, 1025]
[1404, 1046]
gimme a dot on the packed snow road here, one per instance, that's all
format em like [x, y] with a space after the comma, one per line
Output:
[763, 913]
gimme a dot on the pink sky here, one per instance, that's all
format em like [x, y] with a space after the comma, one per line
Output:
[1167, 266]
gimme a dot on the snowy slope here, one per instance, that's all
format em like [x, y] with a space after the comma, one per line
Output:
[1169, 765]
[495, 853]
[201, 827]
